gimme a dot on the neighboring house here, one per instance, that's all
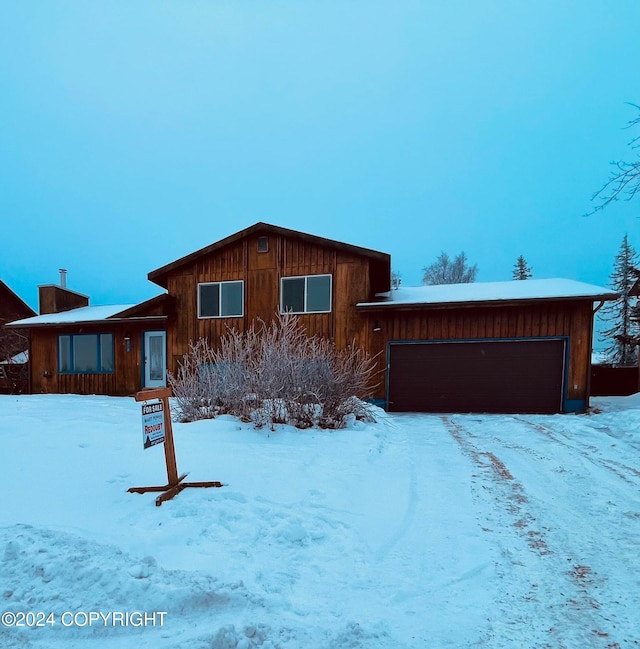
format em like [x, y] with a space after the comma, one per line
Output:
[13, 342]
[82, 349]
[495, 347]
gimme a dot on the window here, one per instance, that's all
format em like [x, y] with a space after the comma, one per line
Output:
[220, 300]
[85, 354]
[310, 294]
[263, 244]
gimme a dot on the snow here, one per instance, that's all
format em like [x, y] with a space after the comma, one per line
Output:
[528, 289]
[421, 530]
[598, 358]
[18, 359]
[81, 314]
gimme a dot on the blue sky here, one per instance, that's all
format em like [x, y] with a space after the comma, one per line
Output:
[133, 133]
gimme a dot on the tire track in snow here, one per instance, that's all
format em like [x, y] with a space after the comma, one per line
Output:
[629, 474]
[550, 575]
[517, 499]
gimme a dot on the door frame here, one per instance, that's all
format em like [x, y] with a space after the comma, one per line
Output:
[147, 382]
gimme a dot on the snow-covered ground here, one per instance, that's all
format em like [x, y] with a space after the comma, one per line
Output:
[418, 531]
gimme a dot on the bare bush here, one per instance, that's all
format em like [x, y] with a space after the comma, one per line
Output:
[275, 374]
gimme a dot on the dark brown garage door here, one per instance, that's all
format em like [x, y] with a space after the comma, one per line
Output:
[481, 376]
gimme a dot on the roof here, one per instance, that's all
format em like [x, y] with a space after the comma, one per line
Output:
[155, 308]
[19, 359]
[63, 288]
[158, 276]
[489, 292]
[74, 316]
[21, 303]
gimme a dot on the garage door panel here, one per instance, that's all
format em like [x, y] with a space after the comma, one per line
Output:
[477, 376]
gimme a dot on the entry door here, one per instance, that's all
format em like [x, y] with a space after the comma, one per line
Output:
[155, 355]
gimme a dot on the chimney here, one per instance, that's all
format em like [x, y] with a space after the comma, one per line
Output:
[55, 298]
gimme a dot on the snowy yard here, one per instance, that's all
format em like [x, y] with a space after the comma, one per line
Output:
[419, 531]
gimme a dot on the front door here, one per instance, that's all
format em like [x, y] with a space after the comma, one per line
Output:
[154, 359]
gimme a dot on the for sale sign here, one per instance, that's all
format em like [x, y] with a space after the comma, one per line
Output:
[152, 424]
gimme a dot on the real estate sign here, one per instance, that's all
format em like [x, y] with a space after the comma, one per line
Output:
[152, 424]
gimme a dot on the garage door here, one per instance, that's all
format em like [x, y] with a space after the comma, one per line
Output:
[508, 376]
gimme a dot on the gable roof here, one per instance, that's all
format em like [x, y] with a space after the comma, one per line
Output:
[159, 276]
[476, 293]
[7, 294]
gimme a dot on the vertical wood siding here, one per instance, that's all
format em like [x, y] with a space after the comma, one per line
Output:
[261, 273]
[126, 379]
[542, 319]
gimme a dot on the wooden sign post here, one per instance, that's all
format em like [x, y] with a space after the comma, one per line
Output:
[174, 484]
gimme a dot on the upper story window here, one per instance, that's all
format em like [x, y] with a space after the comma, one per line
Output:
[85, 354]
[220, 299]
[263, 244]
[307, 294]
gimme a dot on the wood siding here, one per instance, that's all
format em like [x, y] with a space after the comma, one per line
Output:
[573, 319]
[261, 273]
[11, 306]
[124, 380]
[55, 299]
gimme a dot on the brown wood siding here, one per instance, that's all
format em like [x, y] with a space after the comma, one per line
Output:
[55, 299]
[535, 319]
[124, 380]
[11, 306]
[183, 330]
[261, 273]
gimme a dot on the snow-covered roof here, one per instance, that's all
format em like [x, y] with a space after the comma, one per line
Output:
[18, 359]
[599, 358]
[528, 289]
[75, 316]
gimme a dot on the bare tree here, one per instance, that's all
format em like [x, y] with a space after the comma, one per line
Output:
[12, 342]
[274, 374]
[396, 279]
[446, 271]
[624, 180]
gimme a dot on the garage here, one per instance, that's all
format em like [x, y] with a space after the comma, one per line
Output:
[491, 375]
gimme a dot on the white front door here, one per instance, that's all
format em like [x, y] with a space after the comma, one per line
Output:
[155, 355]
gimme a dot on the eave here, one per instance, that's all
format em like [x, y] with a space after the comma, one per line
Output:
[159, 276]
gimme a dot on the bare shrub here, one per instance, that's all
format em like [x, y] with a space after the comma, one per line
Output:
[275, 374]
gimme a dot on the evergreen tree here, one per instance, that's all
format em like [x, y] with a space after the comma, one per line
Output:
[522, 270]
[622, 335]
[447, 271]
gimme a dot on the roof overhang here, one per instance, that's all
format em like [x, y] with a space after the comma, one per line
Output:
[159, 276]
[469, 304]
[488, 294]
[101, 315]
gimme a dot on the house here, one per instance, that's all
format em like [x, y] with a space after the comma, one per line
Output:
[13, 342]
[517, 346]
[82, 349]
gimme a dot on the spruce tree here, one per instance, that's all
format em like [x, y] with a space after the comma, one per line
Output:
[622, 335]
[522, 270]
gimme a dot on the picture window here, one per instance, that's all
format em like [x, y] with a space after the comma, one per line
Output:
[85, 354]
